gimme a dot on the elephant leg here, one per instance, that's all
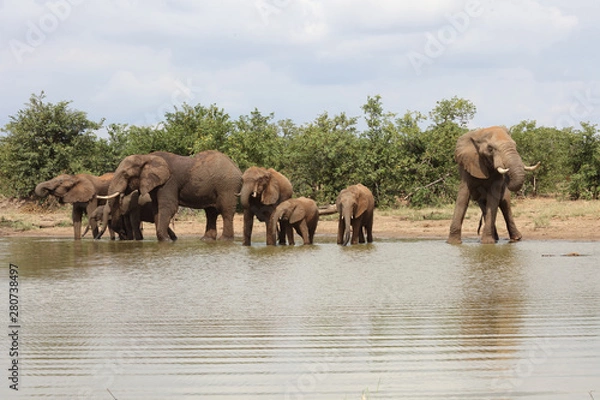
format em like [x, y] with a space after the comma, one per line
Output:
[89, 209]
[135, 221]
[289, 233]
[76, 214]
[369, 229]
[271, 234]
[228, 214]
[357, 231]
[127, 227]
[489, 234]
[460, 209]
[513, 232]
[166, 210]
[210, 232]
[248, 222]
[361, 230]
[341, 230]
[302, 229]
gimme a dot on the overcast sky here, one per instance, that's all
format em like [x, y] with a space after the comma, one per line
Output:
[130, 61]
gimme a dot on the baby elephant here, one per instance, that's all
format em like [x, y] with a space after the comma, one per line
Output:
[355, 204]
[301, 213]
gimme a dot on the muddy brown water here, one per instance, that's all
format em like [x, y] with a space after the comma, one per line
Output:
[397, 319]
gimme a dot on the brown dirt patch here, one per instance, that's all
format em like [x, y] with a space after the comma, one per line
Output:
[536, 218]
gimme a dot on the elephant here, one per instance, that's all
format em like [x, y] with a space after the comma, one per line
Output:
[80, 190]
[133, 210]
[490, 168]
[96, 217]
[210, 180]
[355, 206]
[301, 214]
[262, 190]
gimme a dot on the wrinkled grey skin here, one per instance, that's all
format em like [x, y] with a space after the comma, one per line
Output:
[133, 210]
[79, 190]
[262, 190]
[209, 181]
[95, 218]
[479, 154]
[355, 206]
[301, 214]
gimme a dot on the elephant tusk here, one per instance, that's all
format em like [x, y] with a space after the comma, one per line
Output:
[502, 170]
[108, 197]
[253, 194]
[533, 167]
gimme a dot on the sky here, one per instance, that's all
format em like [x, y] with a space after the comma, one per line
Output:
[131, 61]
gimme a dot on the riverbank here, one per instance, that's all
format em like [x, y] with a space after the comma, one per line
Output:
[539, 218]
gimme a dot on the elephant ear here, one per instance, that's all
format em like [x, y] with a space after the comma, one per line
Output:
[81, 191]
[467, 156]
[271, 193]
[298, 214]
[155, 172]
[361, 205]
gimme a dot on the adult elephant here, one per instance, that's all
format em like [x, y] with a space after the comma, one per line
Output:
[262, 190]
[301, 214]
[127, 218]
[80, 190]
[490, 168]
[355, 206]
[210, 180]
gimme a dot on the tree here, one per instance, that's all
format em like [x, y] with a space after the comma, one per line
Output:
[255, 141]
[585, 162]
[321, 157]
[550, 146]
[455, 110]
[198, 128]
[44, 140]
[380, 155]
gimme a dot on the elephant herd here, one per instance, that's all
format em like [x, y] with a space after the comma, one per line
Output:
[152, 187]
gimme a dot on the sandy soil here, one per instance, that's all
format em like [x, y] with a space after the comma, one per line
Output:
[536, 218]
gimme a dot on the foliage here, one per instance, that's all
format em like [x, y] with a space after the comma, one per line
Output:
[403, 158]
[44, 140]
[585, 163]
[321, 157]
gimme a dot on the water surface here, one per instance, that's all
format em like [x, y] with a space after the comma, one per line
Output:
[391, 320]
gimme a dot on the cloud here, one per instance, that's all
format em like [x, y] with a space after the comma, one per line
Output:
[130, 60]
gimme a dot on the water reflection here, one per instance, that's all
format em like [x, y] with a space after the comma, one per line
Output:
[405, 319]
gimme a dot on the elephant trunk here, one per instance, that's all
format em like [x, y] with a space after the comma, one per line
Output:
[41, 190]
[347, 215]
[516, 170]
[245, 194]
[105, 217]
[274, 221]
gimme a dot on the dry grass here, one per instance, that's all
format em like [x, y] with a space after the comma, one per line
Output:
[541, 218]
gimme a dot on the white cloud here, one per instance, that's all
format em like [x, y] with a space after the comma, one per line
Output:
[128, 60]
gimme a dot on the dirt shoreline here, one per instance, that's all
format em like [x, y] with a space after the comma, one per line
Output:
[537, 219]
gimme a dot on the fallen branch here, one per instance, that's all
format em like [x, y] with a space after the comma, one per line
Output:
[327, 210]
[426, 186]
